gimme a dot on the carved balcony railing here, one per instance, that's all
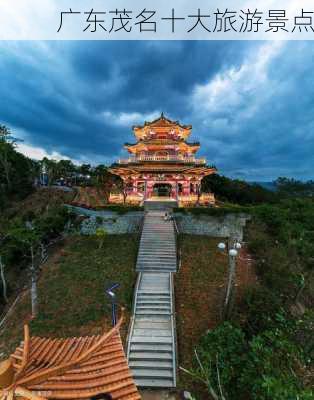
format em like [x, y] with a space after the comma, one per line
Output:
[185, 160]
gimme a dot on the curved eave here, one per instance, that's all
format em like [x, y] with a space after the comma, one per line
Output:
[134, 148]
[141, 133]
[122, 171]
[204, 171]
[137, 169]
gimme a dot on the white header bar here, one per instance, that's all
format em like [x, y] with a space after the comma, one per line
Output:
[156, 20]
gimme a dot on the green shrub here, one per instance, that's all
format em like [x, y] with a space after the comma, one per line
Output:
[265, 367]
[99, 220]
[260, 307]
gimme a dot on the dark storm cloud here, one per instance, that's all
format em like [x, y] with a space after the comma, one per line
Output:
[249, 103]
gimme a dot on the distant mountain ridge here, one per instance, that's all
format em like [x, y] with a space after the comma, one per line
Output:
[267, 185]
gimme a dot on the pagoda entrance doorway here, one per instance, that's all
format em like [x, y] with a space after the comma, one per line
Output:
[162, 190]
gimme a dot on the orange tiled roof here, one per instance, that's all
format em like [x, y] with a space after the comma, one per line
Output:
[74, 368]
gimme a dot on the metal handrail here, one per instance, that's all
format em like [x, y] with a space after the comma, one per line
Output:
[131, 325]
[176, 240]
[173, 332]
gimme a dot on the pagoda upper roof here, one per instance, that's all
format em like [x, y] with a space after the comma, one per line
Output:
[73, 368]
[162, 124]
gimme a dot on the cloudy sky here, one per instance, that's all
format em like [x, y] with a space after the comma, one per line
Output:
[251, 104]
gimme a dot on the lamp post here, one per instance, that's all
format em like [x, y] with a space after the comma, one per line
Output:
[112, 296]
[231, 248]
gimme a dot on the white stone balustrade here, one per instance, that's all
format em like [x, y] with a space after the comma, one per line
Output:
[186, 160]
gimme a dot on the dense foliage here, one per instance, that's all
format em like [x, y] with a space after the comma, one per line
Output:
[240, 192]
[237, 191]
[22, 233]
[266, 351]
[293, 188]
[16, 170]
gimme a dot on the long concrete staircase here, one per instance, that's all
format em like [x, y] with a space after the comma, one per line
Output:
[157, 250]
[152, 343]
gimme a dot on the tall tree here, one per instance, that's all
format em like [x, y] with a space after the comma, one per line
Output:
[29, 238]
[6, 147]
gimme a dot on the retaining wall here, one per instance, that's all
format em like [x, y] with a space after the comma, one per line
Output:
[112, 222]
[230, 225]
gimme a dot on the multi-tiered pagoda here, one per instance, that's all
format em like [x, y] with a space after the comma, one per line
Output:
[162, 164]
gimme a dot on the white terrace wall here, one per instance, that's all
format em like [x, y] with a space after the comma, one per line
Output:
[229, 225]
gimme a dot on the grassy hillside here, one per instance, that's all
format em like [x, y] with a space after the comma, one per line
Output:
[38, 202]
[72, 298]
[199, 291]
[266, 349]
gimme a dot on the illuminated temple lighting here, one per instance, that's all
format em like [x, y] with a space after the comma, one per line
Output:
[162, 164]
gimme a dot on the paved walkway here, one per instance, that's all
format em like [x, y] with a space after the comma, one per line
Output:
[152, 344]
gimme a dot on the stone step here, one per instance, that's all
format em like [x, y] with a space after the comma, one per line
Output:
[153, 232]
[164, 277]
[145, 292]
[155, 285]
[170, 270]
[150, 302]
[157, 259]
[157, 263]
[153, 299]
[151, 312]
[145, 356]
[161, 348]
[158, 253]
[159, 250]
[157, 246]
[156, 269]
[160, 364]
[152, 325]
[151, 373]
[154, 288]
[152, 308]
[160, 256]
[158, 236]
[158, 243]
[154, 383]
[152, 333]
[155, 340]
[147, 301]
[154, 278]
[155, 318]
[155, 282]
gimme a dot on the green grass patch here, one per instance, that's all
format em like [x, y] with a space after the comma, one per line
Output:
[72, 299]
[199, 291]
